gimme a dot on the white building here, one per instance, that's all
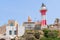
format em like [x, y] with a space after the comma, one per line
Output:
[13, 29]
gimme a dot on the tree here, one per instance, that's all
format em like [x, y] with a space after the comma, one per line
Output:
[46, 31]
[53, 34]
[49, 33]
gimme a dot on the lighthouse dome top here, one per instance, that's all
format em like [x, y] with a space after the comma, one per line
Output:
[43, 7]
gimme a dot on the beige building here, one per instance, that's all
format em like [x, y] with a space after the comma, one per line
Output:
[29, 25]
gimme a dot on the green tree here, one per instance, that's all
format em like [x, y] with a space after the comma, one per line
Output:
[50, 33]
[46, 31]
[53, 34]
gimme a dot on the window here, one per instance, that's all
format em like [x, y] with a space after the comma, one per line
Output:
[15, 32]
[10, 32]
[11, 24]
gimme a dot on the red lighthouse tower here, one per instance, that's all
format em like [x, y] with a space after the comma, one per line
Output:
[43, 16]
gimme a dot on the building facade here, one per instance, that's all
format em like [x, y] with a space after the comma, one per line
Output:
[29, 25]
[11, 30]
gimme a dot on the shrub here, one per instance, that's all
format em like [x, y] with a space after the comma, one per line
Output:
[49, 33]
[46, 31]
[37, 35]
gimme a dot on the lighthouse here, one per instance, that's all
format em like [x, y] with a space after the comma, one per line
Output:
[43, 16]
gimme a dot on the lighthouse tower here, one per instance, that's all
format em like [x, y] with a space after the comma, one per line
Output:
[43, 16]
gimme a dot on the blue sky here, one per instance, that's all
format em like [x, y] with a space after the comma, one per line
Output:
[20, 9]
